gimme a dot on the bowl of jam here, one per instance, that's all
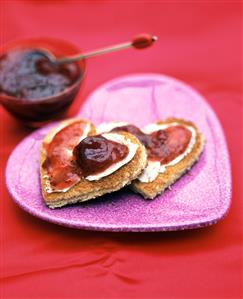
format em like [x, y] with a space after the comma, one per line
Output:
[33, 89]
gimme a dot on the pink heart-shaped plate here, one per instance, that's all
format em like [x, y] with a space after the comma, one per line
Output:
[199, 198]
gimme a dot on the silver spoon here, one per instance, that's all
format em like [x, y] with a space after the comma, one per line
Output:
[140, 41]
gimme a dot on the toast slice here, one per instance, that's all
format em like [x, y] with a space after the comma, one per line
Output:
[172, 173]
[85, 190]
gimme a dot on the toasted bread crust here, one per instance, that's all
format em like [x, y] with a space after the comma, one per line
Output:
[172, 173]
[86, 190]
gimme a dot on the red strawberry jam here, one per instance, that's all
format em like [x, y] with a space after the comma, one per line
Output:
[162, 145]
[59, 163]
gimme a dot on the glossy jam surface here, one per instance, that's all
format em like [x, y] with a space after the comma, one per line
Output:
[94, 154]
[59, 164]
[27, 74]
[162, 145]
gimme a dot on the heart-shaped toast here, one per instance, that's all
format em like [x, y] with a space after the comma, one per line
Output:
[173, 147]
[77, 165]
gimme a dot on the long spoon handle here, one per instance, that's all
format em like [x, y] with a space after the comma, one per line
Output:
[139, 42]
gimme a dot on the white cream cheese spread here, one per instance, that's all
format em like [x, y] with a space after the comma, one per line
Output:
[107, 127]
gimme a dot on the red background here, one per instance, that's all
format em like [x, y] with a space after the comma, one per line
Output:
[199, 43]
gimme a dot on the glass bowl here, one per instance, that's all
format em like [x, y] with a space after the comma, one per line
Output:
[36, 112]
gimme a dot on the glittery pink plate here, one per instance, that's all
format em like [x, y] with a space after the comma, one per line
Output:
[199, 198]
